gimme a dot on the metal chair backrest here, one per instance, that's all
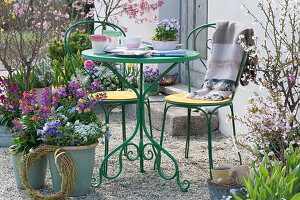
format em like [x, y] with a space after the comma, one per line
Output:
[193, 35]
[87, 27]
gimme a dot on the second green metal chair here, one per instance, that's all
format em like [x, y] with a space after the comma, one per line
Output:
[178, 100]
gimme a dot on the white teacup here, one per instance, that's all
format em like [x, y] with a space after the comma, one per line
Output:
[132, 42]
[100, 42]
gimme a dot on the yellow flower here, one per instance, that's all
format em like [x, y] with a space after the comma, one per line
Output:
[129, 64]
[1, 30]
[78, 108]
[88, 109]
[81, 100]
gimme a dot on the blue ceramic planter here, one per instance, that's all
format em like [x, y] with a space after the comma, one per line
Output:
[36, 175]
[153, 90]
[84, 158]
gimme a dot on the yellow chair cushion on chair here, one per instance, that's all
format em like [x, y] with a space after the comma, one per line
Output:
[119, 95]
[179, 98]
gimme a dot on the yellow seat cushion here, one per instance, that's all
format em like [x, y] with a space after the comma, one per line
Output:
[179, 98]
[118, 95]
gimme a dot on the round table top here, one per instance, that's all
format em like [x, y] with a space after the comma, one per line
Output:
[108, 57]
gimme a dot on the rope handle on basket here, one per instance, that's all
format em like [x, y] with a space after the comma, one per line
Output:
[55, 160]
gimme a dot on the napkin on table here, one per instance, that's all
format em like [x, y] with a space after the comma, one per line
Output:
[179, 52]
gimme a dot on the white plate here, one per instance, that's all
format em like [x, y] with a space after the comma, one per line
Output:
[131, 53]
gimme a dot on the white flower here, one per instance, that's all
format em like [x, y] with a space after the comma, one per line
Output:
[241, 37]
[271, 153]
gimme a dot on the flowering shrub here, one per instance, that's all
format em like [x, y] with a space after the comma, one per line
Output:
[9, 102]
[150, 75]
[167, 30]
[270, 127]
[134, 9]
[278, 52]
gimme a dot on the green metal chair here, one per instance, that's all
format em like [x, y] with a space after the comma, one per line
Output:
[178, 100]
[119, 98]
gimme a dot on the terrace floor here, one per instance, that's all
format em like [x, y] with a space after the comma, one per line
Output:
[132, 184]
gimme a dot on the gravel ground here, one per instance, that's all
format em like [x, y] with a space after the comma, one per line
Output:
[132, 184]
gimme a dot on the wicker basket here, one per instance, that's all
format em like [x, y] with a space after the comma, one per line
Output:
[168, 80]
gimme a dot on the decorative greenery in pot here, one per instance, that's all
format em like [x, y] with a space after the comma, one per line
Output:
[74, 127]
[73, 121]
[26, 139]
[166, 35]
[167, 30]
[272, 180]
[150, 75]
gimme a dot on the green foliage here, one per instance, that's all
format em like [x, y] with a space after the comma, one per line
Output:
[40, 77]
[19, 77]
[26, 137]
[56, 50]
[62, 75]
[274, 181]
[79, 41]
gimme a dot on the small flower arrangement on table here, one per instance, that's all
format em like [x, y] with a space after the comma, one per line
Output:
[167, 30]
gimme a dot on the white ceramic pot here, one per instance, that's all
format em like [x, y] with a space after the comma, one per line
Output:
[164, 45]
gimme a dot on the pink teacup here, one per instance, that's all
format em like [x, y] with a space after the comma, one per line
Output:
[132, 42]
[100, 42]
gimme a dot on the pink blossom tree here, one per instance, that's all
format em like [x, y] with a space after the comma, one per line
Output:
[26, 28]
[112, 10]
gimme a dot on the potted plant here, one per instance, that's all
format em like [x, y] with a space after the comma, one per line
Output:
[166, 35]
[73, 127]
[150, 75]
[43, 77]
[26, 139]
[9, 109]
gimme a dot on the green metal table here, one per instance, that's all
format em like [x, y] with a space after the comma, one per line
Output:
[141, 95]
